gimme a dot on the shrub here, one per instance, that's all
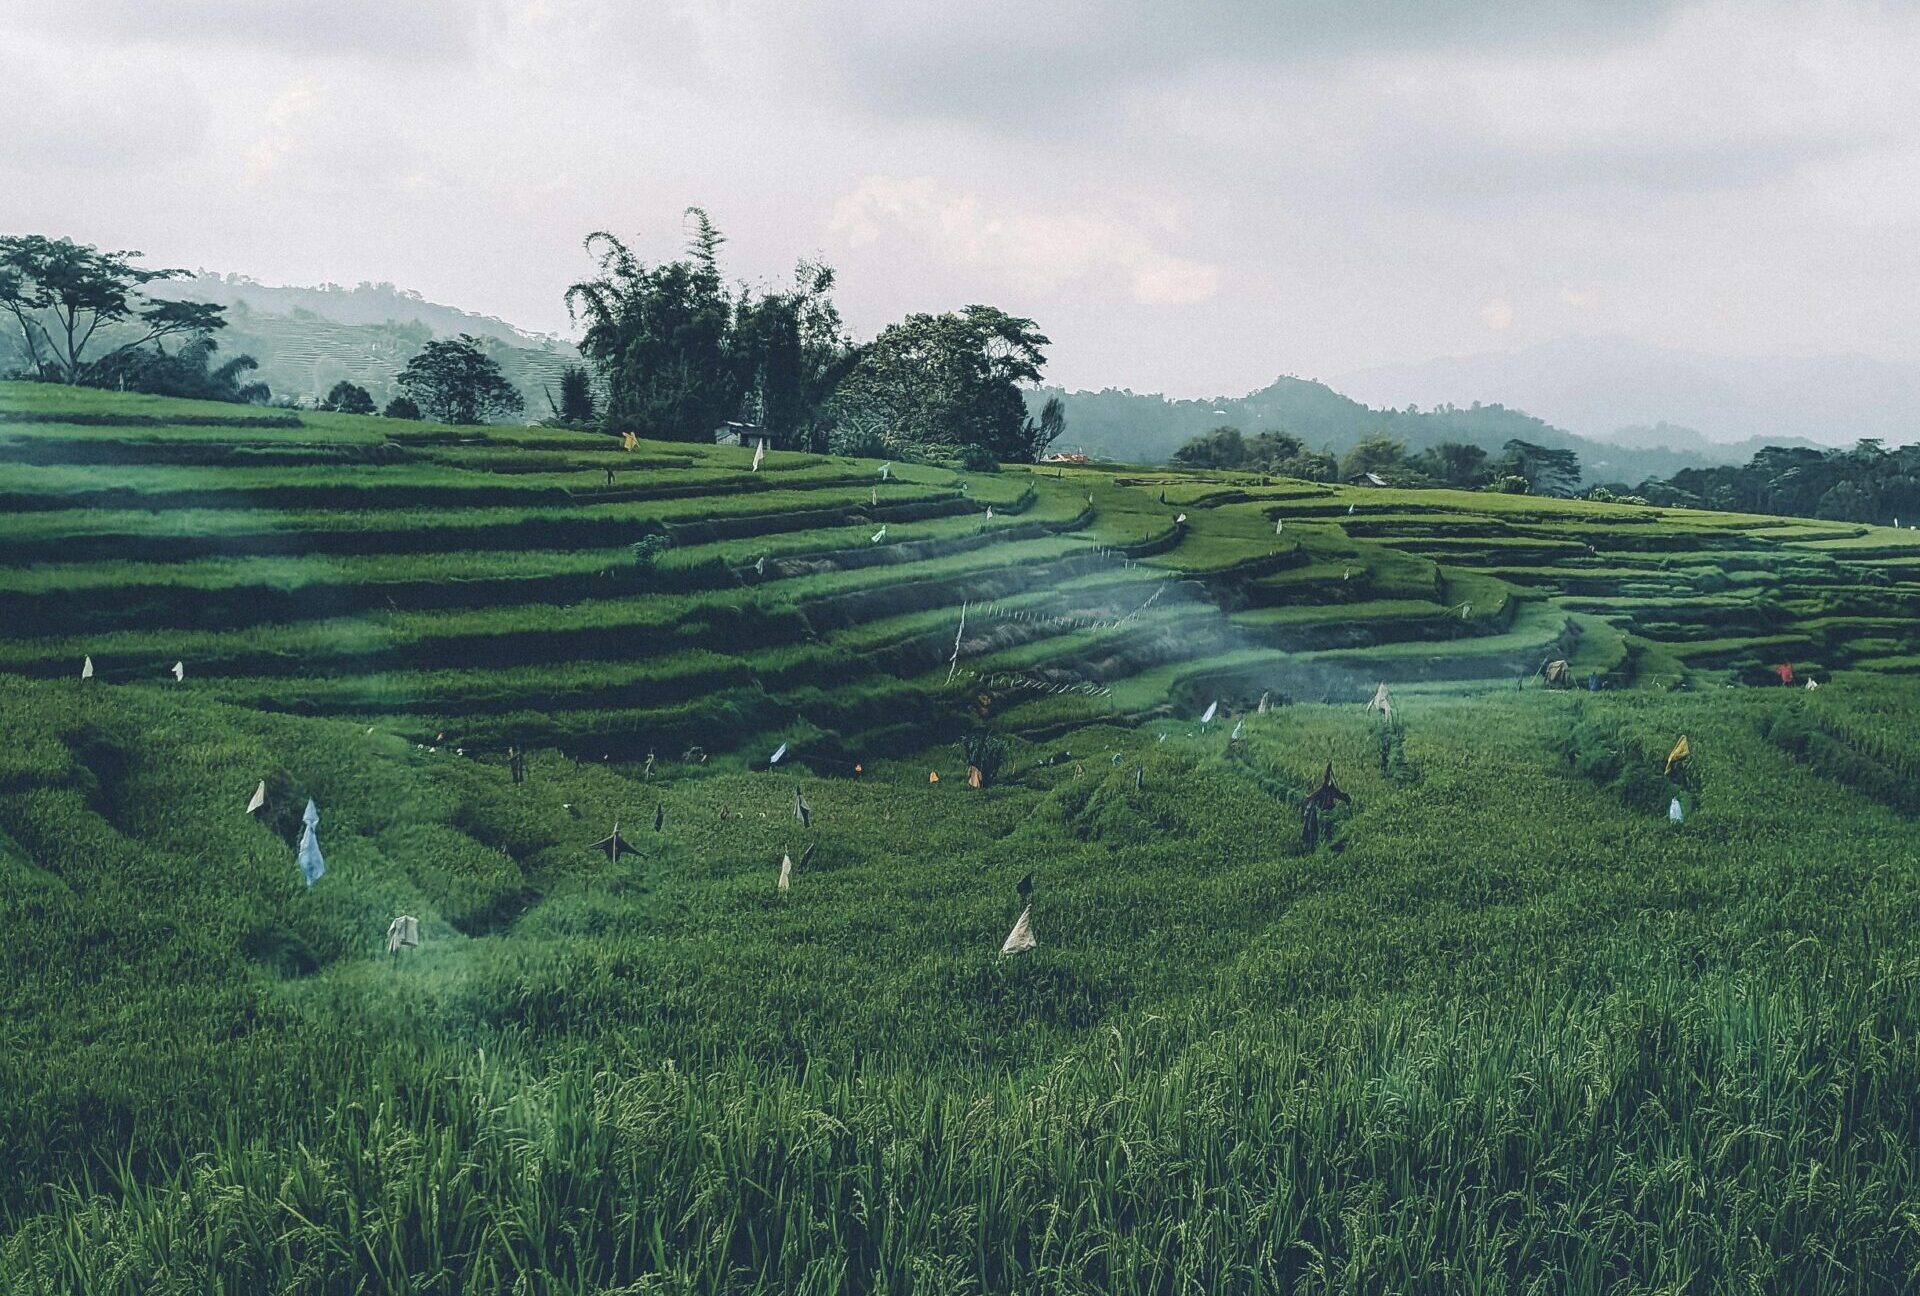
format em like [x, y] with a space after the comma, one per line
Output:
[646, 552]
[976, 458]
[347, 398]
[985, 753]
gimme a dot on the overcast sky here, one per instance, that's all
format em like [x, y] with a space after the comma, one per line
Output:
[1188, 197]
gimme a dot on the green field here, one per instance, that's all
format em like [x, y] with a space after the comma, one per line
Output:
[1511, 1029]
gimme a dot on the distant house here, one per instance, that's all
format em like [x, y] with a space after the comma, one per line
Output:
[1369, 479]
[1065, 457]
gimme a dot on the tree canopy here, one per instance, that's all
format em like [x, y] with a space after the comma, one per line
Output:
[62, 294]
[1521, 465]
[939, 383]
[1272, 451]
[793, 351]
[347, 398]
[1549, 471]
[1864, 483]
[187, 372]
[575, 407]
[661, 336]
[455, 381]
[1224, 447]
[680, 354]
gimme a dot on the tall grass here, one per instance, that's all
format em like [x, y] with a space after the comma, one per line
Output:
[1514, 1031]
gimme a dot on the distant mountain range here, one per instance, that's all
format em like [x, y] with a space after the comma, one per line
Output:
[307, 339]
[1593, 386]
[1125, 425]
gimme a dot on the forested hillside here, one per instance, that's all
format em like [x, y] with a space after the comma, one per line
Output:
[1149, 428]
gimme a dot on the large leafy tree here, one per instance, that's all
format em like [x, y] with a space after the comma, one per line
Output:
[661, 336]
[66, 297]
[943, 383]
[455, 381]
[1224, 447]
[1550, 472]
[1272, 448]
[1455, 463]
[576, 397]
[793, 351]
[347, 398]
[1378, 453]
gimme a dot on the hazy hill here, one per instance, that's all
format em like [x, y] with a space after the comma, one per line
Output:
[1122, 424]
[1594, 385]
[1686, 440]
[307, 339]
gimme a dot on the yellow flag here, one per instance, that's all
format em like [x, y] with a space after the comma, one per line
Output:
[974, 777]
[629, 442]
[1681, 750]
[932, 776]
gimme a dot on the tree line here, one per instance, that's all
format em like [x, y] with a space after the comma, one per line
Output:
[1521, 467]
[672, 351]
[1864, 483]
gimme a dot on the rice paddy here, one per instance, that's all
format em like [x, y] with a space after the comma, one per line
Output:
[1507, 1027]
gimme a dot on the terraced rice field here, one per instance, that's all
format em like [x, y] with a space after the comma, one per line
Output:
[1508, 1026]
[484, 583]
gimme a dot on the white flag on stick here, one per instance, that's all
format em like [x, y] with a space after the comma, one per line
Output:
[1382, 703]
[403, 933]
[1020, 939]
[759, 453]
[86, 669]
[179, 671]
[786, 871]
[259, 797]
[312, 865]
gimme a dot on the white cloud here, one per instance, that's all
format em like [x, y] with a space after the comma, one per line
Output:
[286, 120]
[1041, 252]
[1342, 185]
